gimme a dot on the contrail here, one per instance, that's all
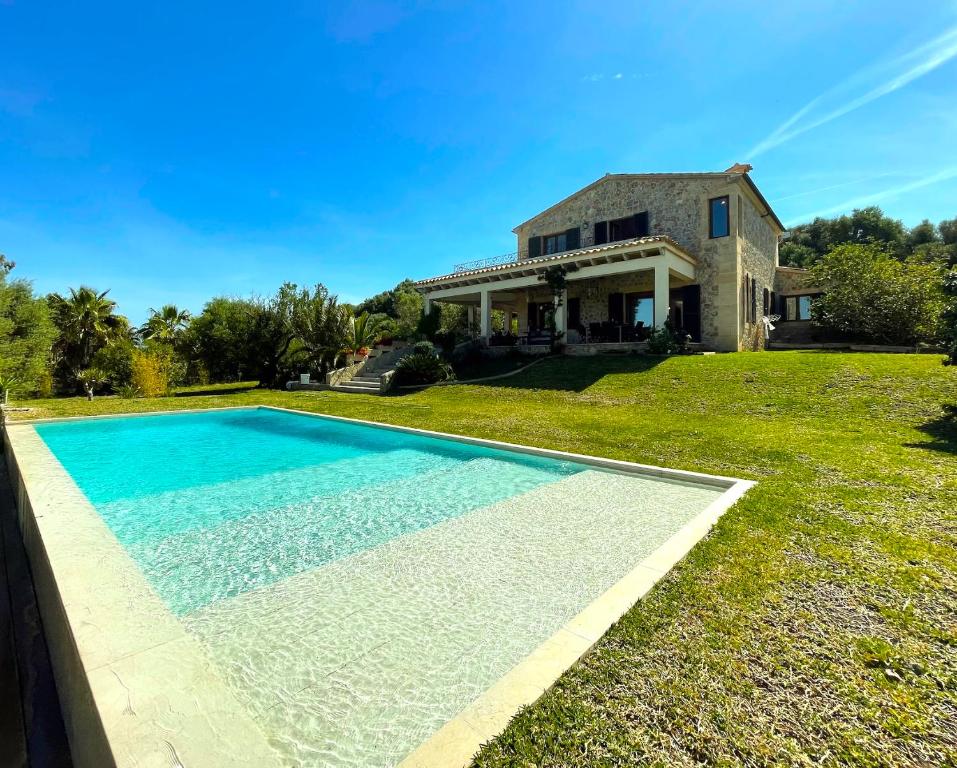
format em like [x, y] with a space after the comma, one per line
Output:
[901, 70]
[850, 183]
[865, 200]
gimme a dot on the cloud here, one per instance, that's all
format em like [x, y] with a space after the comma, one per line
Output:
[875, 81]
[597, 76]
[865, 200]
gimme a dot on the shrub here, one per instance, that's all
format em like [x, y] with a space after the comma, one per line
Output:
[423, 368]
[149, 375]
[872, 296]
[128, 392]
[667, 340]
[116, 361]
[423, 348]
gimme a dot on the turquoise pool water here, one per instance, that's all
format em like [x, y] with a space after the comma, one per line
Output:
[213, 504]
[357, 587]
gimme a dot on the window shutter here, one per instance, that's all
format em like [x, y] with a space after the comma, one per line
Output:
[534, 247]
[572, 239]
[641, 224]
[601, 232]
[754, 300]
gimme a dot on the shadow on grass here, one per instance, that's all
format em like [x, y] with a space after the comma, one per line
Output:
[575, 374]
[943, 430]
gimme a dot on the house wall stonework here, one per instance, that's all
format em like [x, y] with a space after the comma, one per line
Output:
[677, 206]
[758, 245]
[790, 280]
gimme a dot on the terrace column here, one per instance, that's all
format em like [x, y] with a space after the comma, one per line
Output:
[561, 317]
[485, 315]
[662, 291]
[426, 304]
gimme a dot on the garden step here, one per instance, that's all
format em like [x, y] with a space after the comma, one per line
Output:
[361, 389]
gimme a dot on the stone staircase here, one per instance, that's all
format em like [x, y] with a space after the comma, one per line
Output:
[373, 376]
[369, 384]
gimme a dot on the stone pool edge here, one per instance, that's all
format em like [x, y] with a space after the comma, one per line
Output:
[456, 742]
[134, 687]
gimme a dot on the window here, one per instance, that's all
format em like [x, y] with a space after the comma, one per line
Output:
[625, 228]
[555, 243]
[718, 217]
[767, 303]
[639, 309]
[798, 307]
[558, 242]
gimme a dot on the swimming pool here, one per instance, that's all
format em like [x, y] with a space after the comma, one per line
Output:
[356, 588]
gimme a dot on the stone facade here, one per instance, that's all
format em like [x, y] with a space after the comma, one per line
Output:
[791, 280]
[677, 206]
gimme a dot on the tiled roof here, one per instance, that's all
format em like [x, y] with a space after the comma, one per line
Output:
[564, 256]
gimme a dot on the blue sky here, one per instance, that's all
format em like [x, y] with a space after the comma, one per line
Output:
[176, 151]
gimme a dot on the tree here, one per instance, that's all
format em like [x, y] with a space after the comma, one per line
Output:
[320, 327]
[809, 242]
[403, 304]
[922, 234]
[26, 334]
[870, 295]
[793, 254]
[167, 324]
[272, 334]
[91, 378]
[364, 332]
[949, 315]
[86, 322]
[408, 312]
[948, 231]
[555, 276]
[219, 338]
[385, 303]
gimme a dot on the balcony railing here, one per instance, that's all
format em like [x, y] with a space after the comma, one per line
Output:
[492, 261]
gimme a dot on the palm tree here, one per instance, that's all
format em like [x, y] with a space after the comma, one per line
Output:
[365, 331]
[86, 323]
[320, 326]
[166, 324]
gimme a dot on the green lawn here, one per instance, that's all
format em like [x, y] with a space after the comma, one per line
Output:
[816, 625]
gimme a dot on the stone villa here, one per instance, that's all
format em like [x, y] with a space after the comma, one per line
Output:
[700, 248]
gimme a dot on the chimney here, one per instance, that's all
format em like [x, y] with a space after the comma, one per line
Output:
[739, 168]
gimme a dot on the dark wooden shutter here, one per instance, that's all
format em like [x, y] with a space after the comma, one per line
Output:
[641, 224]
[767, 302]
[601, 232]
[573, 239]
[691, 296]
[615, 308]
[754, 300]
[534, 247]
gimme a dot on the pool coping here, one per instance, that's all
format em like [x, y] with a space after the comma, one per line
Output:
[56, 518]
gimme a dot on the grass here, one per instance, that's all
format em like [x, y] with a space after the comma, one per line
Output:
[815, 625]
